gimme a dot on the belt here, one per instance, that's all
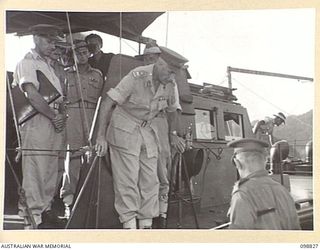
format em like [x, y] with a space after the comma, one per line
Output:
[142, 123]
[88, 105]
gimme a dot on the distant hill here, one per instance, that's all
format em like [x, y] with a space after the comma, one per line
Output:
[297, 131]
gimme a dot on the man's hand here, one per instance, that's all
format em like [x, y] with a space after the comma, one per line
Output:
[101, 146]
[178, 143]
[59, 122]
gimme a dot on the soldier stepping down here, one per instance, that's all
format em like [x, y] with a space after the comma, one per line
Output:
[133, 140]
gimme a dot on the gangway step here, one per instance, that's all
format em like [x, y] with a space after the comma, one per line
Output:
[12, 222]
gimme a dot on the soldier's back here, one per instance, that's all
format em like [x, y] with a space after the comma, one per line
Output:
[272, 204]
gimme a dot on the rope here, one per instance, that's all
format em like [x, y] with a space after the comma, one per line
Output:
[13, 112]
[135, 50]
[98, 194]
[85, 148]
[224, 79]
[120, 46]
[22, 195]
[167, 29]
[78, 76]
[77, 201]
[220, 149]
[271, 103]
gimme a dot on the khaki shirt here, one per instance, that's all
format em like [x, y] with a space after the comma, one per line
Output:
[91, 84]
[139, 103]
[26, 71]
[61, 73]
[258, 202]
[265, 128]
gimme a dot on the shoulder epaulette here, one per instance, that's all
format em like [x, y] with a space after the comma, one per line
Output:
[140, 74]
[97, 70]
[238, 184]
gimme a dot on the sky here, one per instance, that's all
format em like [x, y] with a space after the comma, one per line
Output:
[281, 41]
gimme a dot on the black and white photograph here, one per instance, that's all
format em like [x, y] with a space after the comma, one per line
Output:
[159, 120]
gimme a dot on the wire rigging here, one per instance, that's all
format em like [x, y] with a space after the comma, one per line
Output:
[272, 104]
[78, 77]
[13, 112]
[120, 45]
[131, 47]
[167, 29]
[224, 79]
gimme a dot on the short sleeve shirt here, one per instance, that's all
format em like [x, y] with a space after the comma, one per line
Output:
[26, 71]
[176, 96]
[266, 128]
[91, 84]
[136, 94]
[137, 102]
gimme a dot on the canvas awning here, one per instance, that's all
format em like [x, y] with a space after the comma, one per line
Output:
[131, 26]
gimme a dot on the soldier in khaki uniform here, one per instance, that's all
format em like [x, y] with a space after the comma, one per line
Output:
[263, 129]
[43, 131]
[258, 202]
[150, 55]
[143, 94]
[78, 130]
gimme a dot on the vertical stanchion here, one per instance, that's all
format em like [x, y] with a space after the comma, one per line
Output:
[22, 196]
[190, 193]
[280, 165]
[98, 193]
[179, 192]
[271, 168]
[81, 191]
[176, 175]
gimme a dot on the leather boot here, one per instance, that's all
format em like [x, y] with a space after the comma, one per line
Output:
[162, 223]
[50, 220]
[159, 222]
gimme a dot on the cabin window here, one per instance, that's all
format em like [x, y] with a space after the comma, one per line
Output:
[233, 125]
[205, 125]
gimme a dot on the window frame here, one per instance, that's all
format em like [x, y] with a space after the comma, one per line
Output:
[241, 124]
[213, 122]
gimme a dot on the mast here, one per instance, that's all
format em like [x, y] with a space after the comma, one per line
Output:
[265, 73]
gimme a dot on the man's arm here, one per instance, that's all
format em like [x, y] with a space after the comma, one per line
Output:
[117, 95]
[269, 132]
[257, 126]
[271, 138]
[173, 121]
[101, 142]
[38, 102]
